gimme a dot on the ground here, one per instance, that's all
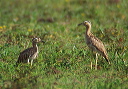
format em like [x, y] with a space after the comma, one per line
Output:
[64, 58]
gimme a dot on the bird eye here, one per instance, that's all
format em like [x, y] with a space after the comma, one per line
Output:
[85, 21]
[34, 39]
[89, 22]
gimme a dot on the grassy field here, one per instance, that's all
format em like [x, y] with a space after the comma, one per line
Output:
[64, 59]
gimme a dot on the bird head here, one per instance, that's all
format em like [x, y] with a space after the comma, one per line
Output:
[36, 40]
[85, 23]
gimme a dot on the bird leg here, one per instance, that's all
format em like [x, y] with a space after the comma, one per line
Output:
[31, 62]
[28, 60]
[91, 65]
[96, 61]
[91, 60]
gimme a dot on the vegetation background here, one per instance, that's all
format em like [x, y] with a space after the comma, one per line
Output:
[64, 59]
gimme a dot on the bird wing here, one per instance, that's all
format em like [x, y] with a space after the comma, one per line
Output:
[25, 55]
[97, 43]
[98, 46]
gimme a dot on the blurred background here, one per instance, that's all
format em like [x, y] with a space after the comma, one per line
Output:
[64, 59]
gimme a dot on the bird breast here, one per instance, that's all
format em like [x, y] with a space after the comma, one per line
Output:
[34, 55]
[91, 42]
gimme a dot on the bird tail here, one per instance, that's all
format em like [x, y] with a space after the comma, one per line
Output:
[16, 65]
[106, 57]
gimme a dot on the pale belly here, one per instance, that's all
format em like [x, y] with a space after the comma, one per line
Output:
[35, 55]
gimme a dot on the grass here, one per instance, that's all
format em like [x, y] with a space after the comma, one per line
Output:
[64, 60]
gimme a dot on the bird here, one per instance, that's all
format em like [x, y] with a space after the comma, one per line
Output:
[28, 55]
[94, 43]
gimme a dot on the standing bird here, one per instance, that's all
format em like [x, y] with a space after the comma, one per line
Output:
[94, 43]
[29, 54]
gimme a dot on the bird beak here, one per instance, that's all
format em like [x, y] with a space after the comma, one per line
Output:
[43, 41]
[80, 24]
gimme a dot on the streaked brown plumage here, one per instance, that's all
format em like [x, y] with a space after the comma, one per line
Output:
[93, 42]
[30, 53]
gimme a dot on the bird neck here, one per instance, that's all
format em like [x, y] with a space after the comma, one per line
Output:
[88, 30]
[35, 45]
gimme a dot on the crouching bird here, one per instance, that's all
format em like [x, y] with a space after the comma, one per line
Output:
[29, 54]
[94, 43]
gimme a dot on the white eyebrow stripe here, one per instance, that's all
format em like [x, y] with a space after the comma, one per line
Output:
[85, 21]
